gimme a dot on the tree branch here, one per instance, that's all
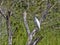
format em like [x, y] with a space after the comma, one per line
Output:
[53, 6]
[36, 40]
[9, 32]
[2, 14]
[25, 22]
[45, 12]
[34, 32]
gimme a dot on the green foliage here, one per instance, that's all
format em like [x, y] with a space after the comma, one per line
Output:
[50, 28]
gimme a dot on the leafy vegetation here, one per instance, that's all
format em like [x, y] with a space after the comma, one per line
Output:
[50, 27]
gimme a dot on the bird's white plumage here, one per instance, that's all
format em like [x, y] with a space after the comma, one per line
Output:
[37, 22]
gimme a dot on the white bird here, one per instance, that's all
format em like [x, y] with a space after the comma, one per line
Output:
[37, 22]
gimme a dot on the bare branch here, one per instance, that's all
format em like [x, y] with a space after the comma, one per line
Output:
[34, 32]
[25, 22]
[53, 6]
[9, 32]
[36, 40]
[44, 13]
[3, 11]
[30, 37]
[2, 14]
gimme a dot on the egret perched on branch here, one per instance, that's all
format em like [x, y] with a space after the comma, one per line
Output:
[37, 22]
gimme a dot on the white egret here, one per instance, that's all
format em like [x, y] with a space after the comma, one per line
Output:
[37, 22]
